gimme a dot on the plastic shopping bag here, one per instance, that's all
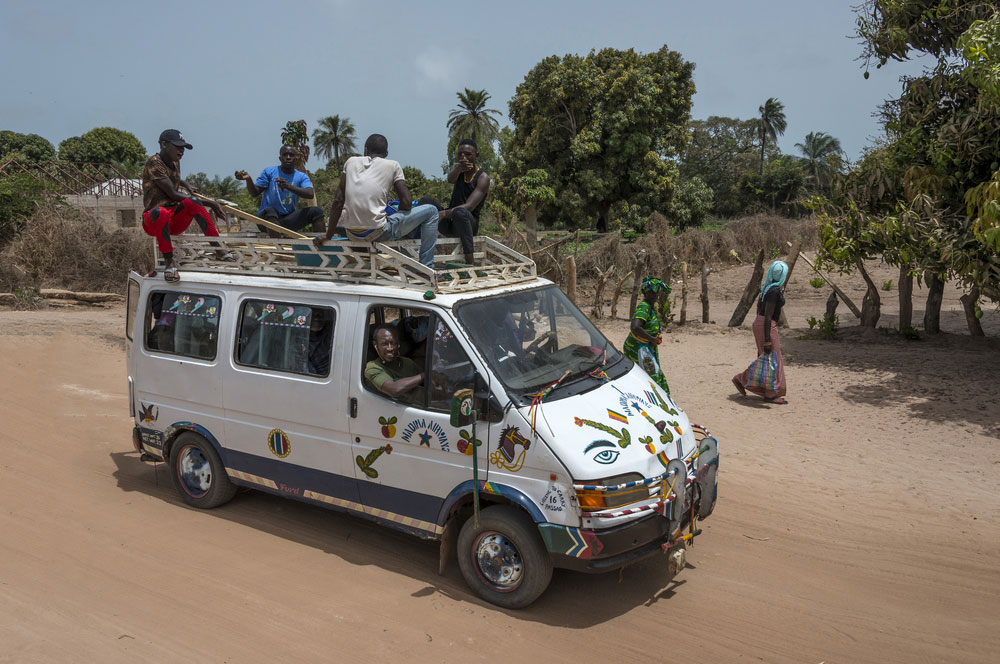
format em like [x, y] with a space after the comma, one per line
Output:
[647, 360]
[763, 372]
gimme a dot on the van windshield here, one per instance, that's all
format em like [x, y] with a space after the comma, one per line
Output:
[533, 338]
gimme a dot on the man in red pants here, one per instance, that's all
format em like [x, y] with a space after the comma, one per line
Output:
[168, 211]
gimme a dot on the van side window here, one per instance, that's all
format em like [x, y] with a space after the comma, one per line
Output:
[133, 304]
[183, 324]
[283, 336]
[426, 347]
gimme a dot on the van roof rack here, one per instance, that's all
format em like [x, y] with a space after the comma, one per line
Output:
[380, 263]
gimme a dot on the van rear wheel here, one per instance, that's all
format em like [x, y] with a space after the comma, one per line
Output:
[197, 472]
[503, 559]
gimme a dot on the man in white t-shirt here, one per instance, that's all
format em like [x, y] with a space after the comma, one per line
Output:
[362, 196]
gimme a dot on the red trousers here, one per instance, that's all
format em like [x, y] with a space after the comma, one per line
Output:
[162, 222]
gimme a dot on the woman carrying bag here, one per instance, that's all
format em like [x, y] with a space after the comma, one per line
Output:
[644, 335]
[766, 375]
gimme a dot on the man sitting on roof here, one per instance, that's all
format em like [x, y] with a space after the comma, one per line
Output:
[461, 219]
[392, 374]
[166, 210]
[362, 195]
[280, 188]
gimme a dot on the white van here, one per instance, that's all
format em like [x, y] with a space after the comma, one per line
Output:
[252, 374]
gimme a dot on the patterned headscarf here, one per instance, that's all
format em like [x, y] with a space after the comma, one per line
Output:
[654, 284]
[776, 275]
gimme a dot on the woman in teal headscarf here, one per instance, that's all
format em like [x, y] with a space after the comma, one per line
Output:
[644, 335]
[765, 332]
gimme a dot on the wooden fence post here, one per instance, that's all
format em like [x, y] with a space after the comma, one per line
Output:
[571, 279]
[705, 270]
[750, 292]
[684, 293]
[618, 294]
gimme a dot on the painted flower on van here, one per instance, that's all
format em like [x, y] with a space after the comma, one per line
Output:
[507, 456]
[464, 443]
[211, 311]
[388, 426]
[278, 443]
[268, 310]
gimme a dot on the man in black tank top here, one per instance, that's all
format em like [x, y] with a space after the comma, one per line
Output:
[461, 219]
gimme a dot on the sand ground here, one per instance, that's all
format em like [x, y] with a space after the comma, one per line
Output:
[858, 523]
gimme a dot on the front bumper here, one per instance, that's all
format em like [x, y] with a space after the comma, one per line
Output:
[603, 549]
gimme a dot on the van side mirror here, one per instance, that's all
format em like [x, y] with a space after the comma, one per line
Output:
[463, 408]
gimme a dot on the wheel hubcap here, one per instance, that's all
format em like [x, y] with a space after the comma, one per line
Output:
[499, 561]
[195, 472]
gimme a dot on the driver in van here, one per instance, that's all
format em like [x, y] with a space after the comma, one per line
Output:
[392, 374]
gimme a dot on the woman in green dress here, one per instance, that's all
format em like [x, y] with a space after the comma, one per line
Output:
[645, 332]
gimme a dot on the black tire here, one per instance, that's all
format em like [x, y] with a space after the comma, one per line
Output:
[504, 560]
[197, 472]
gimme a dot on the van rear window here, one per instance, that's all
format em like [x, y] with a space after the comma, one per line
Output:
[183, 324]
[284, 336]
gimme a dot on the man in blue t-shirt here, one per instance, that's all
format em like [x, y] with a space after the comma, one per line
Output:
[280, 188]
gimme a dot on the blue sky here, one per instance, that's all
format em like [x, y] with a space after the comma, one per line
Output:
[230, 74]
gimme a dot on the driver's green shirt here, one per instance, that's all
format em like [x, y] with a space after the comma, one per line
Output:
[378, 372]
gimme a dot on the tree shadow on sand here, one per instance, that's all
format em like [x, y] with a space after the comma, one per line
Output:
[949, 378]
[573, 599]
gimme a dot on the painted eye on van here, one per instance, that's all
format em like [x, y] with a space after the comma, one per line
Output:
[606, 456]
[606, 451]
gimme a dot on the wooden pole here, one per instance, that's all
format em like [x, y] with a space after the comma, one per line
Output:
[602, 279]
[684, 293]
[705, 270]
[793, 256]
[618, 294]
[640, 271]
[850, 305]
[571, 279]
[750, 292]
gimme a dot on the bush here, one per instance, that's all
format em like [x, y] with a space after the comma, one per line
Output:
[817, 282]
[63, 247]
[887, 285]
[19, 196]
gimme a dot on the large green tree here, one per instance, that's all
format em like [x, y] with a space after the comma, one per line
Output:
[770, 125]
[719, 152]
[103, 145]
[471, 118]
[607, 127]
[942, 142]
[335, 138]
[31, 146]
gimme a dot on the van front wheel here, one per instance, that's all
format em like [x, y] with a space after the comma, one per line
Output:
[197, 472]
[503, 559]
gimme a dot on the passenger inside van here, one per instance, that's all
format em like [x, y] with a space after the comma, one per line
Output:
[391, 373]
[320, 329]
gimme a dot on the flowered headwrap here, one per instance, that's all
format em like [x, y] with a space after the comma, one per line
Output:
[776, 275]
[653, 284]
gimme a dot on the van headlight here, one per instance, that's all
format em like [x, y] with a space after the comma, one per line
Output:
[596, 499]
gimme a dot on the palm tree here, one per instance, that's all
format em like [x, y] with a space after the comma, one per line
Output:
[334, 138]
[772, 124]
[472, 119]
[818, 152]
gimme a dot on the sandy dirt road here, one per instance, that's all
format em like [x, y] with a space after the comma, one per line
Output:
[859, 523]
